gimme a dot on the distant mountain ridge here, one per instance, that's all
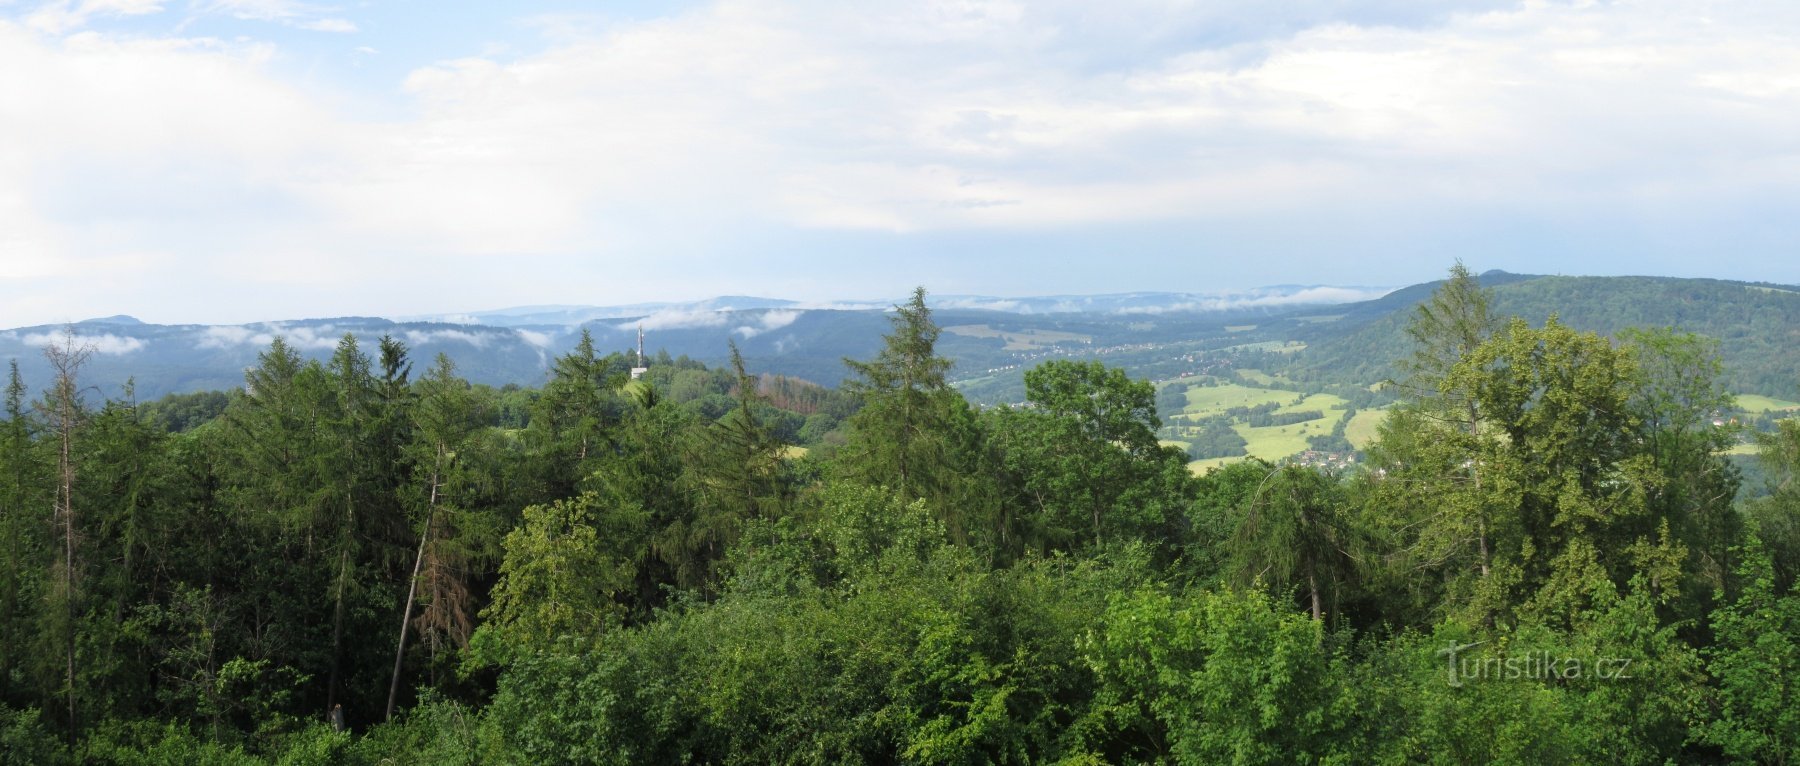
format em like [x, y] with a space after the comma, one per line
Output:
[1117, 303]
[1152, 334]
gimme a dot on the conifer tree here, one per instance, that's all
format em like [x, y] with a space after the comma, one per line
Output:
[66, 413]
[914, 434]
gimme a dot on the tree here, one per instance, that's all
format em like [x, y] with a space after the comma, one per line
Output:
[1758, 649]
[23, 528]
[65, 411]
[1082, 459]
[914, 434]
[1445, 330]
[737, 465]
[445, 419]
[560, 581]
[1295, 532]
[349, 468]
[1679, 396]
[579, 407]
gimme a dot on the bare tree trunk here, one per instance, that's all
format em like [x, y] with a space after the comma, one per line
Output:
[337, 626]
[412, 586]
[1312, 584]
[65, 359]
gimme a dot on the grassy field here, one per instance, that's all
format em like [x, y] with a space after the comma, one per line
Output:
[1760, 403]
[1258, 377]
[1268, 442]
[1277, 442]
[1361, 429]
[1275, 346]
[1020, 340]
[1215, 400]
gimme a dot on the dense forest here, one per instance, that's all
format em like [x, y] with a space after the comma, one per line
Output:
[1543, 560]
[1756, 324]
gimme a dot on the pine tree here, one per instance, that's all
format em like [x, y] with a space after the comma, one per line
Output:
[23, 524]
[66, 414]
[914, 434]
[445, 419]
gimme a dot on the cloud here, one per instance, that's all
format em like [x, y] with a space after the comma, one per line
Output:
[341, 26]
[106, 343]
[299, 337]
[538, 339]
[1320, 295]
[637, 153]
[287, 12]
[421, 337]
[770, 320]
[994, 304]
[676, 319]
[66, 15]
[228, 336]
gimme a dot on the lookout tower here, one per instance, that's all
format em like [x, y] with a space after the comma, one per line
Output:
[640, 369]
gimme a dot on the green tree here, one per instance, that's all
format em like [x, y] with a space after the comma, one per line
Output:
[1755, 662]
[1296, 533]
[914, 434]
[737, 464]
[452, 524]
[1082, 460]
[1680, 394]
[560, 583]
[24, 525]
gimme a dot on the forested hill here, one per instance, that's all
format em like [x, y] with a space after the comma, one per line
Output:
[1758, 325]
[1156, 336]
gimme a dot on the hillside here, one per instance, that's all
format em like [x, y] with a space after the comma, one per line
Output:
[1758, 325]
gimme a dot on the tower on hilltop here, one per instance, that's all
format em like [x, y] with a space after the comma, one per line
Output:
[640, 369]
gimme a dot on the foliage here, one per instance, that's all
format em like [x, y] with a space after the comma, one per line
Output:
[609, 570]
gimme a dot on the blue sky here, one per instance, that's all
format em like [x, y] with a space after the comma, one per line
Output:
[242, 160]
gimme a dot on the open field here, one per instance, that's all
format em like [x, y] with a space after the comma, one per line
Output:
[1020, 340]
[1204, 401]
[1258, 377]
[1274, 346]
[1277, 442]
[1760, 403]
[1361, 429]
[1267, 442]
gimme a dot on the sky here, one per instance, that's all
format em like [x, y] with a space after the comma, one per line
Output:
[229, 161]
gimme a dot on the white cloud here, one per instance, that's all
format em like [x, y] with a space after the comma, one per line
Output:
[105, 343]
[228, 336]
[288, 12]
[300, 337]
[676, 319]
[770, 320]
[538, 339]
[1301, 297]
[65, 15]
[341, 26]
[419, 337]
[669, 136]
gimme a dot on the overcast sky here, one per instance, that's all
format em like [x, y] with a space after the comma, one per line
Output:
[240, 160]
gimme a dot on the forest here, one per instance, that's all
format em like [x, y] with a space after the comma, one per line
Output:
[1543, 559]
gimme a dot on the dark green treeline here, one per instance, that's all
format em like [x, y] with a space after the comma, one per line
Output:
[363, 561]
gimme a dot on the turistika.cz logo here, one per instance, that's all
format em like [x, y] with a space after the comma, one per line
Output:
[1533, 666]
